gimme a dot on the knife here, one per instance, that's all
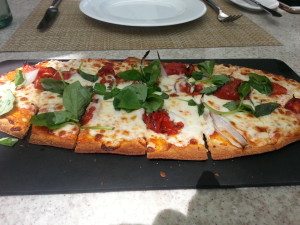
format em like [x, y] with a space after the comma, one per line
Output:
[271, 11]
[49, 16]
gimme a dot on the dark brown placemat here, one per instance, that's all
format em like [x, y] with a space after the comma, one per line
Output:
[73, 31]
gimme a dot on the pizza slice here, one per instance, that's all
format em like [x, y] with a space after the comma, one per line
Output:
[19, 100]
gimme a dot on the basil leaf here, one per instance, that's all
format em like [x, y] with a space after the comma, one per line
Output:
[207, 67]
[50, 119]
[209, 90]
[265, 109]
[260, 83]
[244, 89]
[192, 103]
[6, 101]
[131, 75]
[87, 76]
[153, 103]
[140, 90]
[197, 75]
[200, 108]
[153, 88]
[76, 98]
[56, 86]
[8, 141]
[99, 89]
[152, 72]
[164, 95]
[111, 94]
[246, 108]
[127, 100]
[19, 78]
[219, 80]
[233, 105]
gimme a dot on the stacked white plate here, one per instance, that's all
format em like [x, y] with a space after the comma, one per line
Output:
[272, 4]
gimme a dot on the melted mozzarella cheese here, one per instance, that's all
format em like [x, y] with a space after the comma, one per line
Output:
[27, 96]
[167, 83]
[67, 129]
[126, 126]
[50, 102]
[77, 77]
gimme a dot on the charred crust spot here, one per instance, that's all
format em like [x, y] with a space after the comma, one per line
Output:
[150, 149]
[261, 129]
[23, 99]
[59, 107]
[62, 133]
[125, 132]
[193, 141]
[281, 111]
[15, 129]
[108, 148]
[51, 97]
[11, 121]
[233, 123]
[96, 65]
[98, 137]
[173, 95]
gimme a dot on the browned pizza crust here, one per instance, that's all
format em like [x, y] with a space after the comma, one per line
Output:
[16, 122]
[44, 136]
[89, 144]
[221, 149]
[190, 152]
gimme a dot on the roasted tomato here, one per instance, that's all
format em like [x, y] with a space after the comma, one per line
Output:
[47, 72]
[160, 122]
[88, 115]
[175, 68]
[277, 89]
[229, 91]
[293, 105]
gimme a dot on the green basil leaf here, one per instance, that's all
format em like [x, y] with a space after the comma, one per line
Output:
[191, 102]
[76, 98]
[197, 75]
[246, 108]
[152, 72]
[8, 141]
[216, 111]
[209, 90]
[19, 78]
[56, 86]
[6, 101]
[140, 90]
[200, 108]
[153, 103]
[260, 83]
[207, 67]
[153, 88]
[99, 89]
[244, 89]
[131, 75]
[127, 100]
[111, 94]
[233, 105]
[265, 109]
[87, 76]
[219, 80]
[164, 95]
[51, 119]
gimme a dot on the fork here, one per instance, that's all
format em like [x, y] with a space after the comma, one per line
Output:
[222, 17]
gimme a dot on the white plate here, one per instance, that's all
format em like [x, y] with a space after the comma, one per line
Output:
[272, 4]
[143, 13]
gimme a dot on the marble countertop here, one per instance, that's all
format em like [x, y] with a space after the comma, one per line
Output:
[272, 205]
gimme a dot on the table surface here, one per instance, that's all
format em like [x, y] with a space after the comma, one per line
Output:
[273, 205]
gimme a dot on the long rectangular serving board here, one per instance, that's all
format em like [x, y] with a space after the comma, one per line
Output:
[34, 169]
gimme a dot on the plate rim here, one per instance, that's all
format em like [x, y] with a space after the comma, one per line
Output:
[141, 24]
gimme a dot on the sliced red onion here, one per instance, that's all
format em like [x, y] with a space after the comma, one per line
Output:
[30, 76]
[224, 128]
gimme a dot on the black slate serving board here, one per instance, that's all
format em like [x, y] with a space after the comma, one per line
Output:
[34, 169]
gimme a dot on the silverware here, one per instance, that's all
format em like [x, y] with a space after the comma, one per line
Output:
[223, 17]
[49, 16]
[271, 11]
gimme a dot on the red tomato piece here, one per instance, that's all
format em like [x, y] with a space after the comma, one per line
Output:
[229, 91]
[106, 70]
[27, 68]
[277, 89]
[68, 74]
[187, 88]
[47, 72]
[160, 122]
[175, 68]
[88, 115]
[293, 105]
